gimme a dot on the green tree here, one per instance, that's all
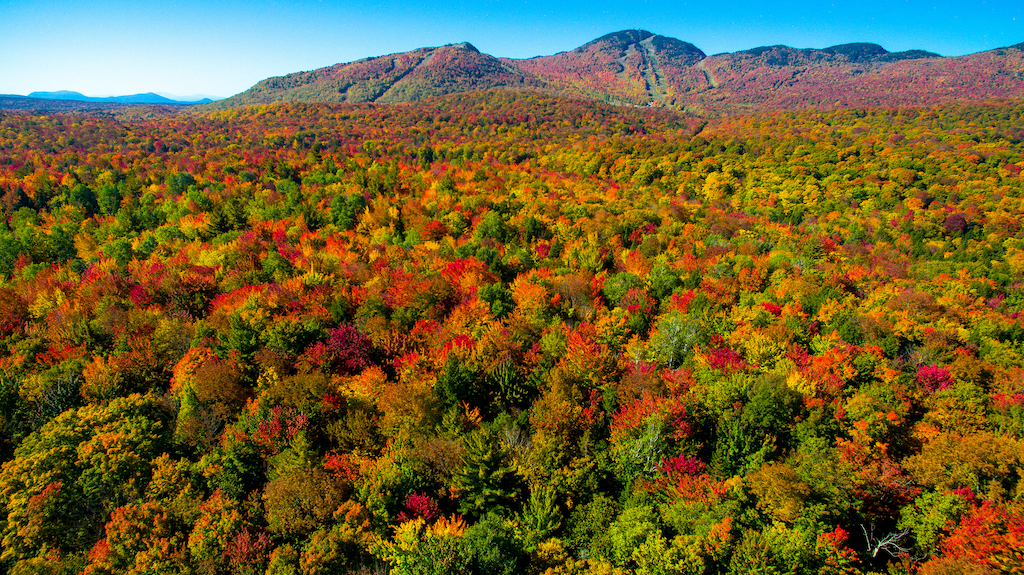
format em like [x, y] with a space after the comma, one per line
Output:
[487, 481]
[754, 431]
[494, 547]
[541, 517]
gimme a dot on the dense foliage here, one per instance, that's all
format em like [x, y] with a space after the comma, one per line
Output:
[500, 333]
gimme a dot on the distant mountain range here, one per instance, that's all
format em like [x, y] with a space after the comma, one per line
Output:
[636, 67]
[65, 101]
[147, 98]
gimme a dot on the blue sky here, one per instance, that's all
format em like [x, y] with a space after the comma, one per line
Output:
[222, 47]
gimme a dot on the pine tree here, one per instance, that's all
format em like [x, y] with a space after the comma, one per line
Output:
[487, 480]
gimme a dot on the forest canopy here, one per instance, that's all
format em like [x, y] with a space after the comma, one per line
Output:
[511, 333]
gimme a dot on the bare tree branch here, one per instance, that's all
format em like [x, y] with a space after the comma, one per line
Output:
[890, 543]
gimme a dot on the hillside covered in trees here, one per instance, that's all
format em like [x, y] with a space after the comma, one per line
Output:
[511, 333]
[639, 68]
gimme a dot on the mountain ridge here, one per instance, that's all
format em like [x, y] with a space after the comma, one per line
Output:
[146, 98]
[641, 68]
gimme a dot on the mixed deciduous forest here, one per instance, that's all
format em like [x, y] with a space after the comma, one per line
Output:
[511, 333]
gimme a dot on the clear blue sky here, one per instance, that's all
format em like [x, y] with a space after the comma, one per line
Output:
[221, 47]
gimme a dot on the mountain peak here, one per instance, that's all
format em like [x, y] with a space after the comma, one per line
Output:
[857, 51]
[58, 95]
[621, 39]
[853, 53]
[464, 46]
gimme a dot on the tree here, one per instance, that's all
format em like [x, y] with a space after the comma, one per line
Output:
[342, 546]
[675, 335]
[488, 481]
[988, 536]
[141, 538]
[752, 432]
[541, 517]
[220, 522]
[419, 549]
[494, 546]
[301, 499]
[74, 471]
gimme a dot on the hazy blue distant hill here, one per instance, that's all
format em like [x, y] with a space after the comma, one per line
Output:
[191, 98]
[24, 103]
[147, 98]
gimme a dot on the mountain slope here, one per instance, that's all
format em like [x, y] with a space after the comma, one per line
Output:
[857, 75]
[637, 67]
[632, 66]
[457, 68]
[401, 77]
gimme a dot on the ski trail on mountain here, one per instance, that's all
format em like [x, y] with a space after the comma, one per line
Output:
[649, 68]
[423, 62]
[657, 85]
[707, 74]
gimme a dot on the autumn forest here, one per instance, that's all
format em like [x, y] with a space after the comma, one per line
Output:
[505, 333]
